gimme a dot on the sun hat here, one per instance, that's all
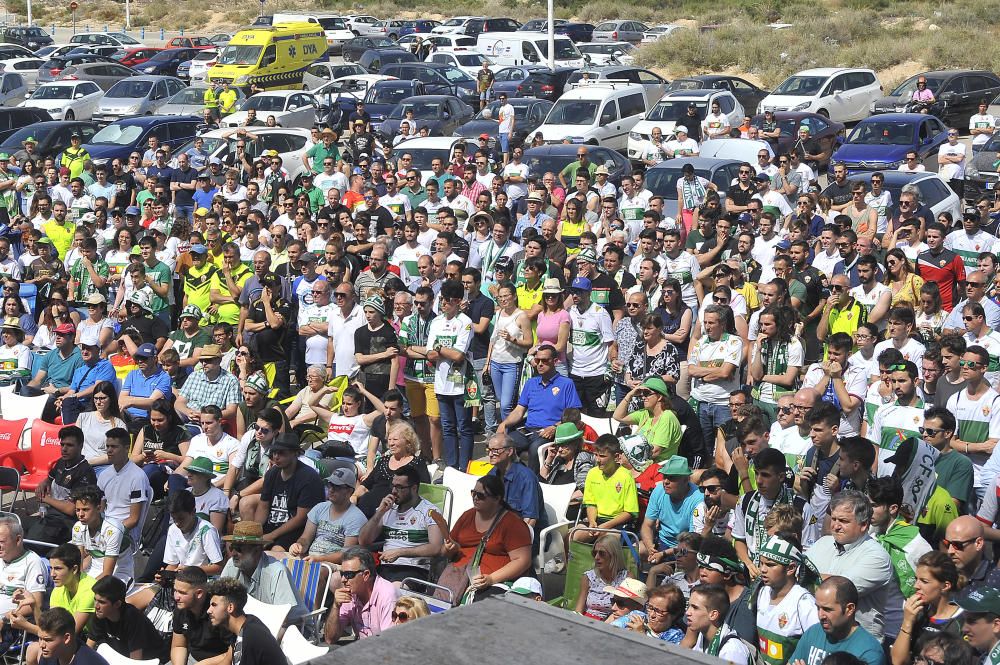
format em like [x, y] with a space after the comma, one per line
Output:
[567, 432]
[201, 465]
[630, 589]
[247, 532]
[552, 285]
[676, 466]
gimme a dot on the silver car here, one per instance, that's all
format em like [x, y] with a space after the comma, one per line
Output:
[319, 74]
[139, 95]
[191, 101]
[624, 31]
[104, 74]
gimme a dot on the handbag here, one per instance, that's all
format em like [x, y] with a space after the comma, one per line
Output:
[456, 578]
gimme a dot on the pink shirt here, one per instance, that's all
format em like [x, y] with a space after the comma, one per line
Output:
[376, 615]
[548, 327]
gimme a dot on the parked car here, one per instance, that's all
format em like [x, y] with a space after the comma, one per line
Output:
[507, 79]
[373, 60]
[319, 74]
[119, 39]
[600, 54]
[662, 179]
[477, 26]
[540, 24]
[613, 31]
[52, 50]
[957, 91]
[557, 156]
[829, 133]
[220, 39]
[881, 142]
[104, 74]
[425, 149]
[106, 50]
[841, 94]
[191, 100]
[390, 28]
[602, 113]
[290, 142]
[934, 192]
[746, 93]
[658, 32]
[545, 83]
[529, 113]
[131, 57]
[456, 24]
[128, 134]
[380, 99]
[672, 109]
[51, 136]
[982, 178]
[578, 32]
[197, 67]
[26, 68]
[51, 69]
[138, 95]
[652, 83]
[420, 26]
[290, 108]
[735, 148]
[441, 114]
[437, 79]
[347, 89]
[190, 42]
[363, 25]
[166, 62]
[13, 88]
[469, 62]
[9, 51]
[66, 100]
[354, 48]
[30, 37]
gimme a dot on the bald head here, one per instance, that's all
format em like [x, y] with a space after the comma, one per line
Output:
[964, 537]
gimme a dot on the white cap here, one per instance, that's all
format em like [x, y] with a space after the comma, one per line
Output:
[680, 128]
[526, 586]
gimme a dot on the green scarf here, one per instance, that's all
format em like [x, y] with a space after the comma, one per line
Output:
[993, 658]
[894, 540]
[716, 643]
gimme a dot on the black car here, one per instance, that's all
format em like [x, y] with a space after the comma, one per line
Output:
[578, 32]
[477, 26]
[354, 48]
[438, 79]
[52, 136]
[13, 119]
[529, 113]
[31, 37]
[957, 93]
[555, 157]
[166, 62]
[373, 59]
[746, 93]
[545, 83]
[441, 114]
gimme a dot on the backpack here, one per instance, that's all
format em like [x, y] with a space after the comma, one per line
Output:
[756, 657]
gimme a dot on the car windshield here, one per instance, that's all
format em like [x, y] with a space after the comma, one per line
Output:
[333, 24]
[33, 32]
[675, 110]
[420, 110]
[210, 145]
[16, 140]
[883, 133]
[800, 86]
[117, 135]
[453, 22]
[240, 55]
[53, 92]
[422, 157]
[163, 56]
[663, 182]
[129, 89]
[686, 84]
[189, 96]
[909, 86]
[573, 112]
[993, 145]
[454, 74]
[124, 39]
[520, 110]
[389, 95]
[565, 49]
[205, 55]
[470, 59]
[264, 103]
[382, 42]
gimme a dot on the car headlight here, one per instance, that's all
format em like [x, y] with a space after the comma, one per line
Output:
[971, 172]
[802, 107]
[635, 136]
[895, 165]
[241, 80]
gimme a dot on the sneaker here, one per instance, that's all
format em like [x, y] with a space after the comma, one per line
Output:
[554, 565]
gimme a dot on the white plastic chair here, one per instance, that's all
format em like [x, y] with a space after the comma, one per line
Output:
[298, 649]
[13, 405]
[272, 616]
[461, 486]
[114, 658]
[556, 499]
[601, 425]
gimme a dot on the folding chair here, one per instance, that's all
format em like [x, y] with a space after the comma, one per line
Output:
[38, 459]
[556, 499]
[581, 560]
[306, 577]
[297, 649]
[600, 425]
[461, 486]
[272, 616]
[23, 407]
[435, 605]
[442, 497]
[114, 658]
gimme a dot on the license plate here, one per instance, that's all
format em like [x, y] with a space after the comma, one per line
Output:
[990, 185]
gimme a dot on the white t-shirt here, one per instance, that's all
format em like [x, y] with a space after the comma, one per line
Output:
[506, 116]
[952, 171]
[110, 540]
[197, 548]
[706, 353]
[590, 338]
[919, 168]
[912, 350]
[454, 333]
[341, 335]
[122, 489]
[221, 453]
[26, 572]
[869, 299]
[516, 190]
[676, 148]
[981, 122]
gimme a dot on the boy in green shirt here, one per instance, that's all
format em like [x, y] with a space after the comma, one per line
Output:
[609, 492]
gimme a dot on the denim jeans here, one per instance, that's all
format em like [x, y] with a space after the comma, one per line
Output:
[712, 416]
[505, 379]
[488, 400]
[456, 431]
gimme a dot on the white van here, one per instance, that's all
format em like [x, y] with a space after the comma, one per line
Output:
[598, 112]
[333, 25]
[508, 49]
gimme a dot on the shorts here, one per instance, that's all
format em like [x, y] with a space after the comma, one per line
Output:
[504, 141]
[423, 401]
[484, 95]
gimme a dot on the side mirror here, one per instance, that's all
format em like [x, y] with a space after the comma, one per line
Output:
[947, 96]
[78, 95]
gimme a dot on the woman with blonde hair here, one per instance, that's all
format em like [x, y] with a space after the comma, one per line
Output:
[609, 571]
[409, 608]
[403, 446]
[904, 283]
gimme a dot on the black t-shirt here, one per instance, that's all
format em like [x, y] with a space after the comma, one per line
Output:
[383, 220]
[303, 490]
[203, 640]
[184, 197]
[84, 656]
[371, 342]
[360, 257]
[693, 125]
[67, 477]
[133, 632]
[838, 194]
[607, 293]
[740, 197]
[124, 186]
[168, 441]
[255, 645]
[144, 329]
[479, 308]
[269, 340]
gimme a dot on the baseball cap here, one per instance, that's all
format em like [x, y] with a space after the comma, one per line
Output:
[526, 586]
[65, 329]
[680, 128]
[763, 177]
[581, 284]
[133, 210]
[193, 312]
[215, 160]
[983, 601]
[201, 212]
[485, 136]
[158, 227]
[199, 249]
[343, 476]
[146, 350]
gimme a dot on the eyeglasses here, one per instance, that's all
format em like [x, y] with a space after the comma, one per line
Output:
[924, 660]
[350, 574]
[633, 304]
[403, 616]
[978, 285]
[743, 172]
[930, 431]
[339, 295]
[959, 545]
[710, 489]
[100, 398]
[968, 363]
[476, 494]
[493, 452]
[651, 609]
[539, 359]
[243, 353]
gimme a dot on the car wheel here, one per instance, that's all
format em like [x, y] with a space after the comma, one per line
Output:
[69, 116]
[824, 113]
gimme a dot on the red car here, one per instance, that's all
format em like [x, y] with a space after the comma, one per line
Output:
[136, 56]
[190, 42]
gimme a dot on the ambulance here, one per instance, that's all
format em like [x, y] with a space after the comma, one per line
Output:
[272, 57]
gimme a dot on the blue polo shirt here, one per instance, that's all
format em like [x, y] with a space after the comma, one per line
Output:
[139, 385]
[674, 516]
[523, 493]
[545, 402]
[59, 370]
[85, 376]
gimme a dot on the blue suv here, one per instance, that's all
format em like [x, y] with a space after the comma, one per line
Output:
[121, 138]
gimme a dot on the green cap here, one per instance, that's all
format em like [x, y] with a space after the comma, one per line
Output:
[567, 432]
[201, 465]
[30, 139]
[980, 601]
[4, 156]
[657, 385]
[676, 466]
[192, 312]
[257, 381]
[44, 240]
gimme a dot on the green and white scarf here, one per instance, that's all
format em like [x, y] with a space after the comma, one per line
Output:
[754, 524]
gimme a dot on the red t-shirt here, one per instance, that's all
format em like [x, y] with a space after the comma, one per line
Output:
[511, 533]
